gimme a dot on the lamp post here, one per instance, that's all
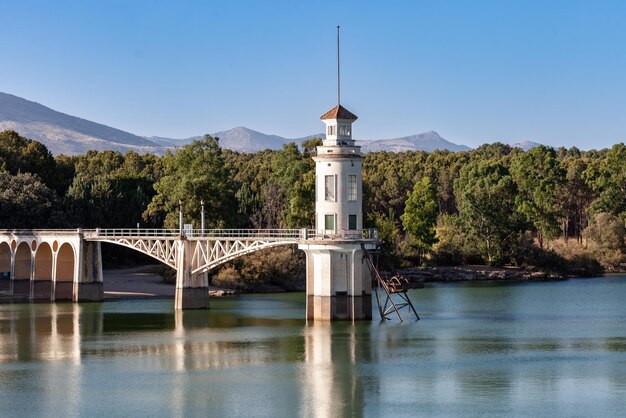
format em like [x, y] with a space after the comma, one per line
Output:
[202, 217]
[180, 217]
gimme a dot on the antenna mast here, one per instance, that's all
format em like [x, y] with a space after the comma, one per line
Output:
[338, 73]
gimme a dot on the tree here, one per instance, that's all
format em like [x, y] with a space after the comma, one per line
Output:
[309, 146]
[608, 178]
[607, 231]
[195, 172]
[420, 215]
[485, 194]
[26, 202]
[22, 155]
[540, 179]
[294, 173]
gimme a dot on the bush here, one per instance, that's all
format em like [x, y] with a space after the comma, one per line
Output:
[275, 267]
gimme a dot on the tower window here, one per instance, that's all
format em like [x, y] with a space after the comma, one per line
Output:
[352, 222]
[332, 130]
[329, 222]
[329, 194]
[351, 188]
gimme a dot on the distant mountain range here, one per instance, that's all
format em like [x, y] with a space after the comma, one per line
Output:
[65, 134]
[238, 139]
[526, 145]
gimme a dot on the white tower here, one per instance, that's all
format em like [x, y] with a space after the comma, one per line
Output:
[338, 279]
[338, 167]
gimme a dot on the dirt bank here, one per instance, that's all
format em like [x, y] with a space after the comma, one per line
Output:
[143, 282]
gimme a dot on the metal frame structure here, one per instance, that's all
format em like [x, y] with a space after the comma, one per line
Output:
[395, 293]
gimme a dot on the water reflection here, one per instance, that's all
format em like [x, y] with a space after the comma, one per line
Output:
[494, 351]
[331, 383]
[40, 332]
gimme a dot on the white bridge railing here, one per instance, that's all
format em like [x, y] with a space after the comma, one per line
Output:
[159, 233]
[273, 234]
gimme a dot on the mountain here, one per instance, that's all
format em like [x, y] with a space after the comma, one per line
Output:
[239, 139]
[526, 145]
[63, 133]
[426, 141]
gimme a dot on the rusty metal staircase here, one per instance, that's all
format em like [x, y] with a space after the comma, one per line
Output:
[393, 290]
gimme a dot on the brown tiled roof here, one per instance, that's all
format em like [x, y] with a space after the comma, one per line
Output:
[339, 112]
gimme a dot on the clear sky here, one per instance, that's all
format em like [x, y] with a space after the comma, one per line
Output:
[474, 71]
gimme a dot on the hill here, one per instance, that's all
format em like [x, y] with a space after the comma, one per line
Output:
[63, 133]
[66, 134]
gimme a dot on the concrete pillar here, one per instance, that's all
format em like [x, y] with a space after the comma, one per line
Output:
[338, 282]
[192, 291]
[88, 273]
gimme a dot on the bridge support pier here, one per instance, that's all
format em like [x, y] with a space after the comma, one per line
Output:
[192, 290]
[338, 283]
[88, 282]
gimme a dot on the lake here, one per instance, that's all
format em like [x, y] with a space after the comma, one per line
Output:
[481, 349]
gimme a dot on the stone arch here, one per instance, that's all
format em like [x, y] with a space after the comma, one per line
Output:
[42, 284]
[5, 265]
[65, 266]
[23, 261]
[43, 262]
[22, 265]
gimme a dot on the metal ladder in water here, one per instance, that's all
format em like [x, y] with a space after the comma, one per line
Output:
[396, 297]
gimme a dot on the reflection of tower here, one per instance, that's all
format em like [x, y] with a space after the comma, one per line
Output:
[338, 280]
[331, 384]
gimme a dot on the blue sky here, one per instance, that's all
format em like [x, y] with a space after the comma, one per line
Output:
[474, 71]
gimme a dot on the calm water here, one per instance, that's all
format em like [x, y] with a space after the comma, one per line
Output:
[533, 349]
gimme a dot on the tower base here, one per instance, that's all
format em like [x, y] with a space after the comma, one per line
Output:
[339, 308]
[339, 284]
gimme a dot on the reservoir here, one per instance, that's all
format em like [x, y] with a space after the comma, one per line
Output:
[480, 349]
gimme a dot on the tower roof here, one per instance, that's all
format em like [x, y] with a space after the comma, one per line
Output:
[339, 112]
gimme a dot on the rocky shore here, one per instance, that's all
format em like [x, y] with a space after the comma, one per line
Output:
[419, 275]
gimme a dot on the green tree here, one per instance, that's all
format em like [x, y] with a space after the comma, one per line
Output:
[420, 215]
[608, 178]
[26, 202]
[294, 173]
[485, 194]
[195, 172]
[22, 155]
[540, 180]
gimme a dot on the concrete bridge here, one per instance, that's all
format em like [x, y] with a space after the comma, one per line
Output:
[66, 265]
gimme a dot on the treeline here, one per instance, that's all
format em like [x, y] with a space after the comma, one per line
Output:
[561, 208]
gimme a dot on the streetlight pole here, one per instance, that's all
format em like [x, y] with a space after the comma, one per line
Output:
[180, 217]
[202, 217]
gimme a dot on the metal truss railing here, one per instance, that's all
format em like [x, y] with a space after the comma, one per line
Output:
[266, 234]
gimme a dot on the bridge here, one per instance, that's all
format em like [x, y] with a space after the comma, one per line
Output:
[66, 264]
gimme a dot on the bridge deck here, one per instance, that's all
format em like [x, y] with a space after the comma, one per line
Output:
[296, 235]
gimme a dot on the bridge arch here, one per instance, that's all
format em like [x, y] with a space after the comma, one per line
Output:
[43, 262]
[5, 257]
[23, 261]
[64, 274]
[199, 267]
[5, 266]
[163, 251]
[42, 284]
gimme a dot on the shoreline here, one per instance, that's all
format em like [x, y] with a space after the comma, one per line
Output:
[144, 282]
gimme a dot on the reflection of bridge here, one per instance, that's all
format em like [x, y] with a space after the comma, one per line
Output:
[67, 265]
